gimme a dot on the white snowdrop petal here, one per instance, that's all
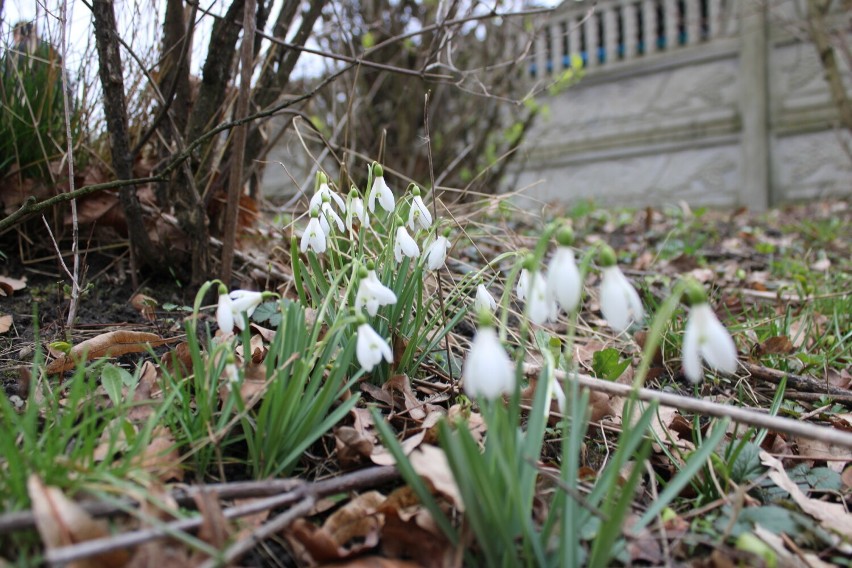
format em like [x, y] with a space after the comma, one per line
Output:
[563, 279]
[484, 300]
[540, 307]
[371, 348]
[523, 284]
[225, 314]
[691, 357]
[488, 371]
[717, 348]
[620, 303]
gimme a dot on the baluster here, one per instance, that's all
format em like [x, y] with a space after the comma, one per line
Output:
[610, 33]
[541, 54]
[714, 18]
[670, 17]
[649, 25]
[692, 15]
[556, 48]
[573, 37]
[591, 28]
[628, 23]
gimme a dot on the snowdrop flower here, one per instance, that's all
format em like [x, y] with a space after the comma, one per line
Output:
[372, 293]
[314, 236]
[371, 348]
[231, 373]
[404, 245]
[357, 210]
[705, 338]
[380, 191]
[324, 191]
[619, 300]
[541, 307]
[523, 284]
[232, 306]
[244, 302]
[484, 301]
[327, 212]
[487, 371]
[225, 311]
[436, 253]
[418, 214]
[563, 277]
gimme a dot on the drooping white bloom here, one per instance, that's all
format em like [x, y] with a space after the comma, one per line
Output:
[324, 189]
[356, 210]
[371, 348]
[231, 308]
[314, 237]
[225, 313]
[404, 245]
[327, 216]
[484, 301]
[523, 284]
[706, 338]
[382, 192]
[563, 279]
[487, 372]
[372, 294]
[436, 253]
[541, 307]
[620, 303]
[419, 215]
[244, 302]
[232, 375]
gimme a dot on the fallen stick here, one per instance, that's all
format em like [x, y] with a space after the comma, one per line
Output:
[707, 408]
[302, 491]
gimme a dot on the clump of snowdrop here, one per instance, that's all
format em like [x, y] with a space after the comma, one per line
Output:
[356, 210]
[436, 252]
[488, 372]
[418, 215]
[235, 308]
[620, 303]
[705, 338]
[380, 191]
[314, 236]
[372, 294]
[404, 245]
[371, 348]
[564, 282]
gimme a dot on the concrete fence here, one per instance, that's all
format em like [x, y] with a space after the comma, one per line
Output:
[714, 102]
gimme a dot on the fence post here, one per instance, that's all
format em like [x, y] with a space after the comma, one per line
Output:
[755, 191]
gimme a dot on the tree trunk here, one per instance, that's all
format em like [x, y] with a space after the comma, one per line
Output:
[115, 111]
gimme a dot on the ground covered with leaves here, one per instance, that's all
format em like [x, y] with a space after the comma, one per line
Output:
[128, 441]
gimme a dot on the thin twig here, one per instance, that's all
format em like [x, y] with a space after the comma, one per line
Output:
[360, 479]
[708, 408]
[244, 545]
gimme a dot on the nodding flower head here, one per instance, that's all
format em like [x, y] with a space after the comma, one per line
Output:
[380, 191]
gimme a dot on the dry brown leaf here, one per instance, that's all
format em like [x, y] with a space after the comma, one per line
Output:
[5, 323]
[62, 522]
[9, 285]
[352, 529]
[400, 385]
[431, 464]
[145, 305]
[108, 344]
[353, 447]
[161, 457]
[214, 529]
[836, 456]
[778, 345]
[374, 562]
[832, 516]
